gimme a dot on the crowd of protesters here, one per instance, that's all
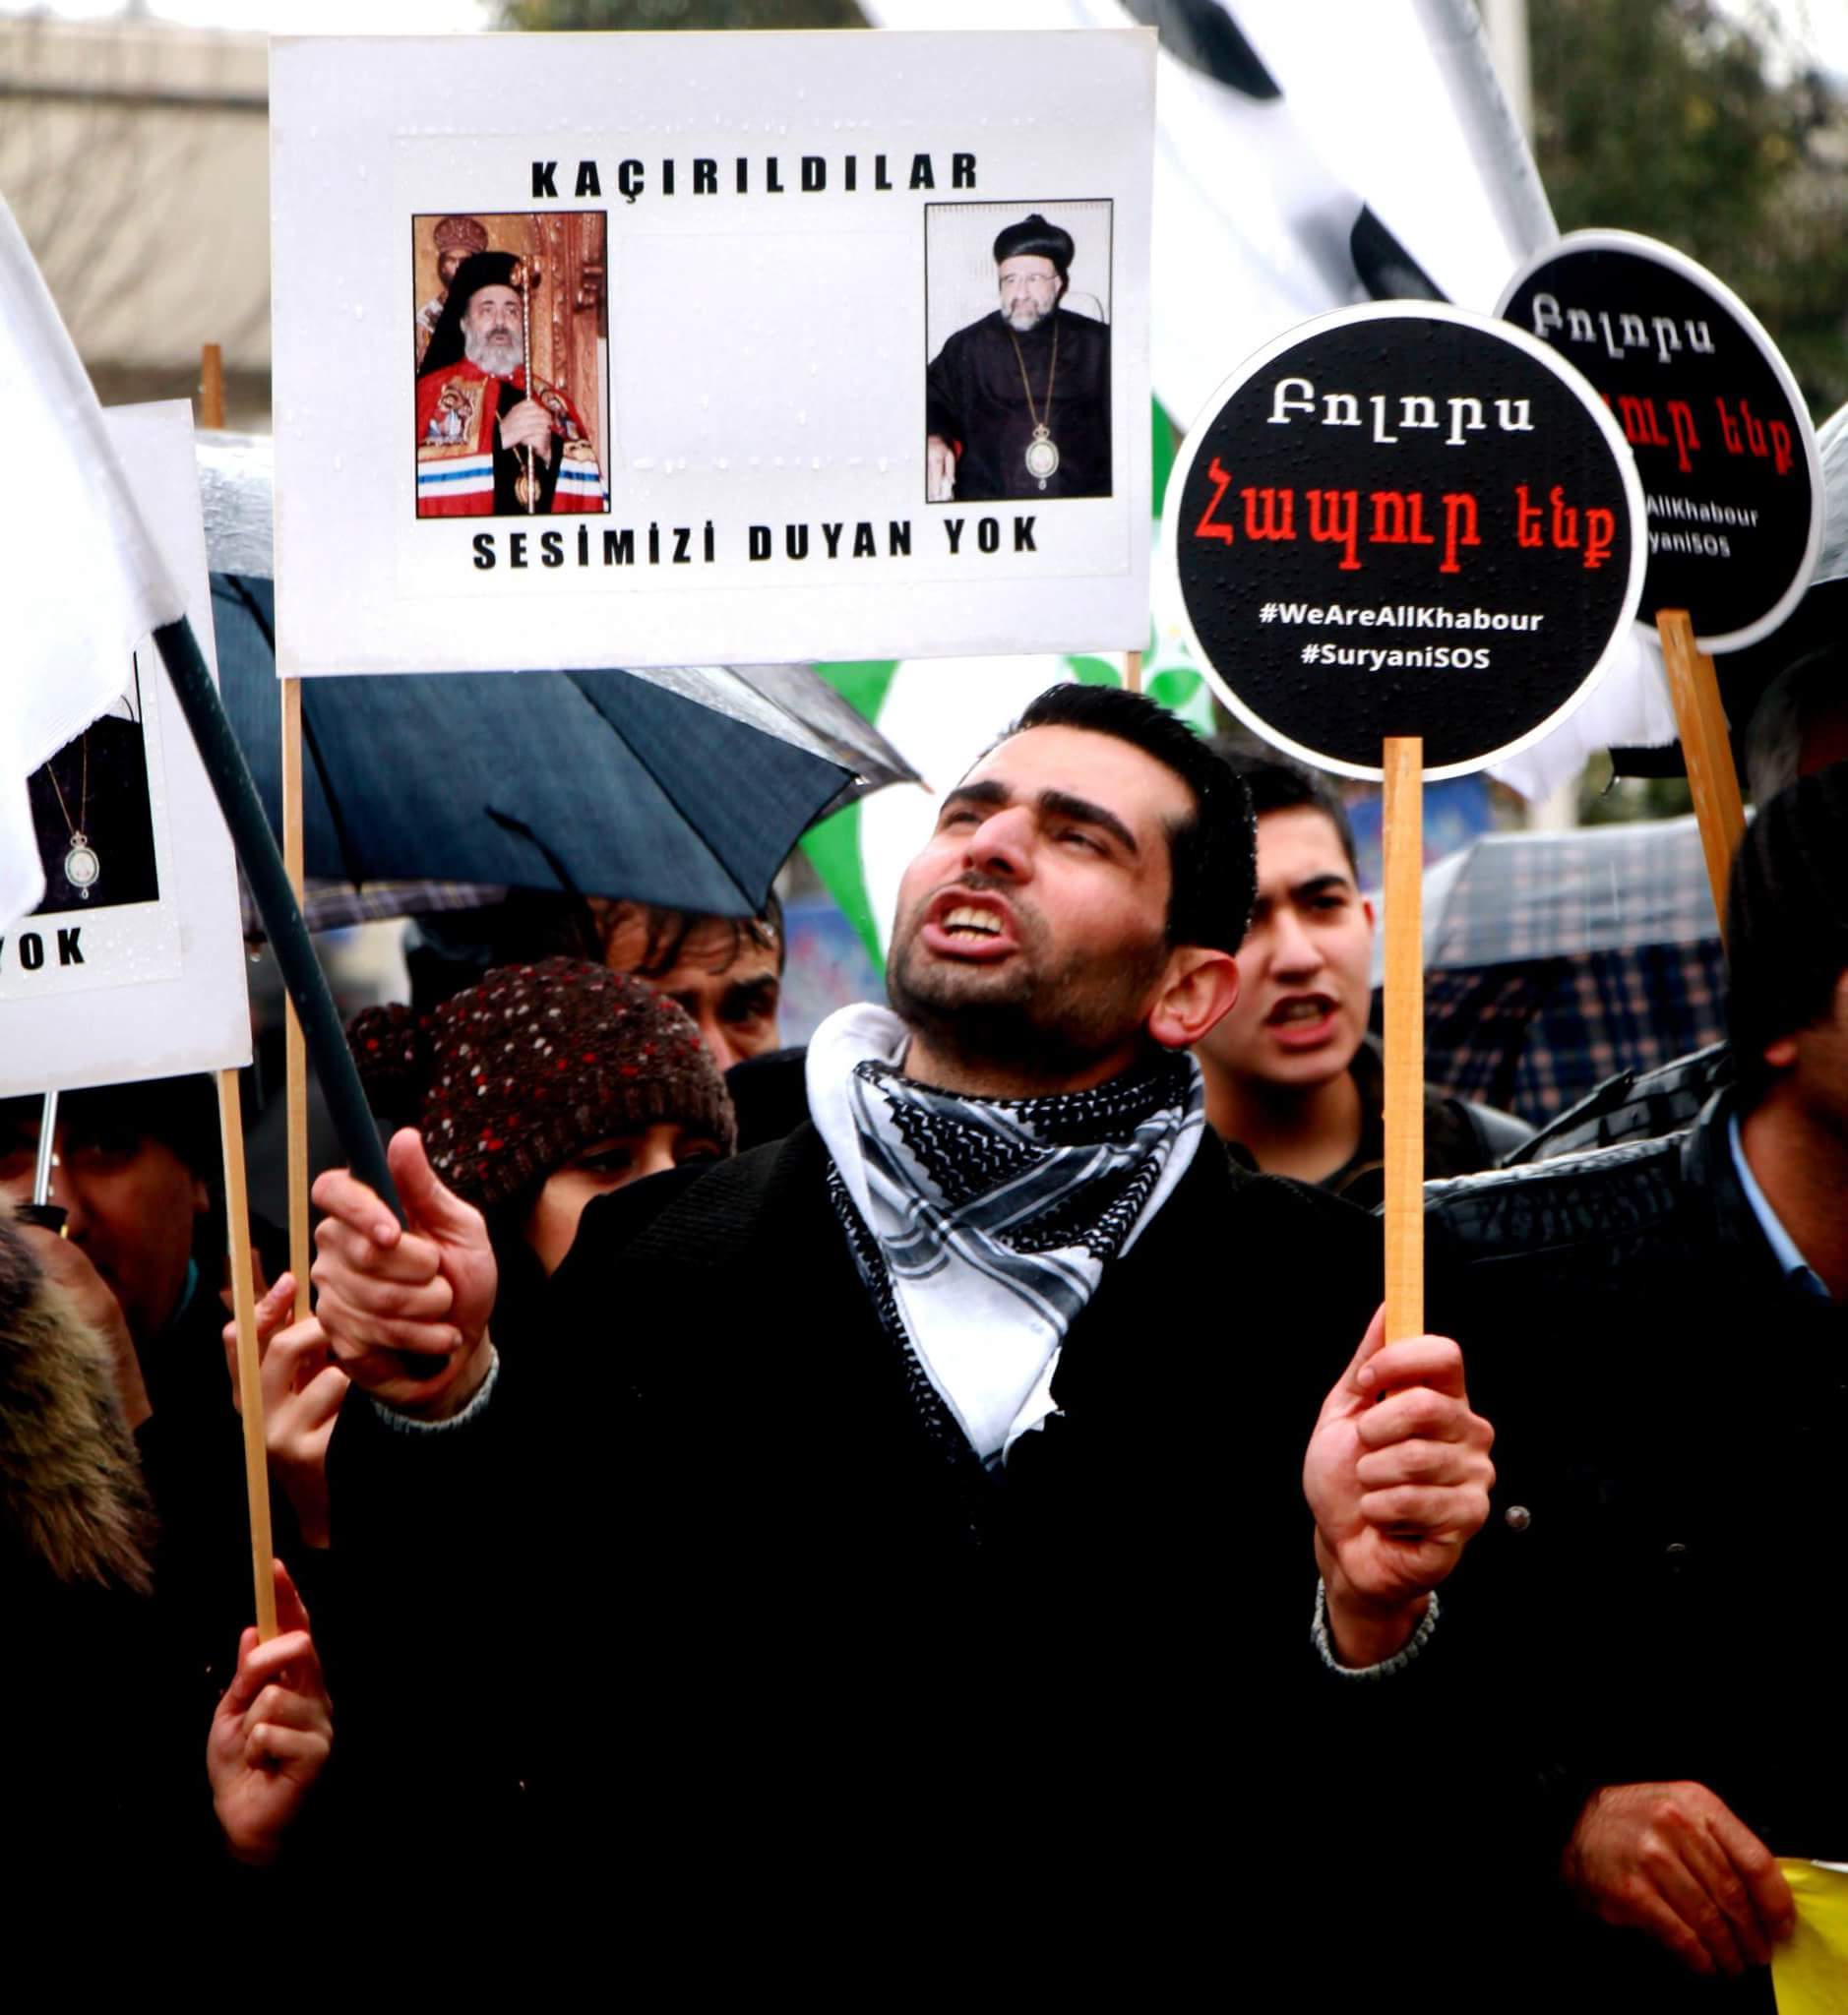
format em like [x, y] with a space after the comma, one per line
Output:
[939, 1507]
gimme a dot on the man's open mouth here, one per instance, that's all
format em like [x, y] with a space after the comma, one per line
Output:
[960, 924]
[1304, 1007]
[969, 922]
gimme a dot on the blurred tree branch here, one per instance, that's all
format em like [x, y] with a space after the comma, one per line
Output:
[1706, 129]
[668, 14]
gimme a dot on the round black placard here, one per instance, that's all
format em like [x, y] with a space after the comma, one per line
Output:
[1723, 443]
[1404, 520]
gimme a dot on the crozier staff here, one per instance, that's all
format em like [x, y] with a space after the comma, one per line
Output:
[487, 444]
[1018, 404]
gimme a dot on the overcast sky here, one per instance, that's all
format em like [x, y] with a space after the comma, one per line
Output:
[286, 17]
[1820, 26]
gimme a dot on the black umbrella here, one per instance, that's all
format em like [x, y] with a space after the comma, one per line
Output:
[602, 782]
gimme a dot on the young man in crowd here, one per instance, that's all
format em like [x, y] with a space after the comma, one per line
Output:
[1660, 1330]
[727, 972]
[1292, 1074]
[947, 1498]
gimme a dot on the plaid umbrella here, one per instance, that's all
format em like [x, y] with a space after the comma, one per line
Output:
[1554, 960]
[328, 905]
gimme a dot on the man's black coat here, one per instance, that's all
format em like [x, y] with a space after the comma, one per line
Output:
[698, 1545]
[1656, 1595]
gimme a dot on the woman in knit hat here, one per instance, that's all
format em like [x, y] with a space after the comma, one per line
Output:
[542, 1087]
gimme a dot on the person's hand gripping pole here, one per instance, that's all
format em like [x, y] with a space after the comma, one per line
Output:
[405, 1308]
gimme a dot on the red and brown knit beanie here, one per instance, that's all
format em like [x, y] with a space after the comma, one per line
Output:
[511, 1079]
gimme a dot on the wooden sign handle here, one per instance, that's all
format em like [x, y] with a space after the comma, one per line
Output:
[211, 386]
[1402, 825]
[295, 1053]
[1713, 775]
[249, 1366]
[1133, 671]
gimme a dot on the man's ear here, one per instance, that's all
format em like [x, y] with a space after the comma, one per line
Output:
[1200, 988]
[1782, 1055]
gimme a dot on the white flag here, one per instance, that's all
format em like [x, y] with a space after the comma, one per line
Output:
[1307, 157]
[1399, 97]
[82, 582]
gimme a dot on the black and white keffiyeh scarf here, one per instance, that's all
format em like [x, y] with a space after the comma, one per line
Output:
[994, 1218]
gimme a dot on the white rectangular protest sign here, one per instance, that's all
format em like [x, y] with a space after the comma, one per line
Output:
[133, 964]
[836, 347]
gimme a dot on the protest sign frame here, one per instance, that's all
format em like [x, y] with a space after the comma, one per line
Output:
[248, 1356]
[1542, 699]
[824, 213]
[1687, 653]
[295, 1059]
[1387, 313]
[1653, 252]
[1402, 849]
[158, 970]
[295, 1053]
[1713, 775]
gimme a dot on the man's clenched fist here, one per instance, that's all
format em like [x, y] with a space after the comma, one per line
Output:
[1398, 1478]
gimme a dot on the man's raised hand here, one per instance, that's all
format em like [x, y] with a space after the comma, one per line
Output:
[405, 1309]
[1399, 1477]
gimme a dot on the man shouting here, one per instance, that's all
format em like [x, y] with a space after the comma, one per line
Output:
[935, 1474]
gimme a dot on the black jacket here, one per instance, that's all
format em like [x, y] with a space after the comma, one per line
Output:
[699, 1540]
[1462, 1136]
[1655, 1596]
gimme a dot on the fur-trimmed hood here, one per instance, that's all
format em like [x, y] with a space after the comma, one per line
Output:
[71, 1491]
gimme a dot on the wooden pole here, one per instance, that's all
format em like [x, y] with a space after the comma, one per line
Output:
[1713, 775]
[211, 386]
[1133, 671]
[295, 1053]
[249, 1366]
[1401, 823]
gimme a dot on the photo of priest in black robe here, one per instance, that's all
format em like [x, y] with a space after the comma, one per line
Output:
[1018, 404]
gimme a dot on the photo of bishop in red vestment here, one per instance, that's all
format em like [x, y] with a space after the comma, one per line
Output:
[488, 444]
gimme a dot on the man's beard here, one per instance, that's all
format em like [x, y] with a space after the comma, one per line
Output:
[496, 352]
[1036, 1015]
[1025, 317]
